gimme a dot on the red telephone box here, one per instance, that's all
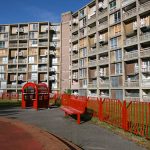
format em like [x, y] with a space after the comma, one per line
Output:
[35, 95]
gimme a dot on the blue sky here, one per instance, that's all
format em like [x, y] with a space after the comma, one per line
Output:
[17, 11]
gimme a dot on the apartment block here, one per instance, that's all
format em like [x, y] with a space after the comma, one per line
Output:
[29, 52]
[110, 49]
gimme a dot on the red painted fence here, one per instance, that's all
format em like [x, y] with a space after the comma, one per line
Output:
[132, 116]
[10, 96]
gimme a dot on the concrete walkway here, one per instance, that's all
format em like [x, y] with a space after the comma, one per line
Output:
[86, 135]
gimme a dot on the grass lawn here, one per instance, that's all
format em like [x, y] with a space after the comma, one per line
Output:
[9, 103]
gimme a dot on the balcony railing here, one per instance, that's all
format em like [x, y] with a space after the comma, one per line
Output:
[75, 56]
[92, 52]
[13, 45]
[42, 60]
[92, 63]
[13, 37]
[22, 69]
[103, 49]
[145, 69]
[43, 44]
[131, 55]
[92, 19]
[43, 35]
[74, 28]
[146, 98]
[129, 13]
[145, 52]
[22, 61]
[74, 66]
[92, 86]
[23, 36]
[105, 84]
[144, 7]
[75, 37]
[92, 30]
[132, 98]
[132, 83]
[103, 61]
[103, 25]
[102, 14]
[12, 86]
[12, 70]
[126, 2]
[145, 37]
[146, 82]
[42, 69]
[130, 41]
[22, 44]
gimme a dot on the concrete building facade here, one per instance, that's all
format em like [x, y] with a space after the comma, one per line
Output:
[110, 49]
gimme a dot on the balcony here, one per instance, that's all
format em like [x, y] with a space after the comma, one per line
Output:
[145, 37]
[22, 69]
[92, 86]
[131, 98]
[103, 61]
[127, 2]
[92, 52]
[43, 60]
[144, 7]
[12, 70]
[13, 37]
[145, 52]
[129, 14]
[104, 84]
[92, 63]
[22, 61]
[13, 45]
[43, 36]
[23, 44]
[131, 55]
[75, 37]
[92, 30]
[42, 69]
[45, 44]
[12, 61]
[103, 49]
[131, 84]
[23, 37]
[75, 76]
[103, 25]
[74, 28]
[11, 86]
[146, 98]
[19, 86]
[145, 69]
[74, 66]
[75, 86]
[91, 19]
[146, 83]
[75, 56]
[102, 14]
[131, 41]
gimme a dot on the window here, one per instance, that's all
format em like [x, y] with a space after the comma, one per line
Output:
[35, 26]
[117, 17]
[1, 76]
[33, 76]
[32, 35]
[2, 44]
[31, 59]
[113, 42]
[118, 68]
[112, 5]
[4, 60]
[34, 67]
[82, 72]
[118, 54]
[1, 68]
[2, 28]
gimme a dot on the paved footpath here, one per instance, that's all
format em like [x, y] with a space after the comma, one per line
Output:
[86, 135]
